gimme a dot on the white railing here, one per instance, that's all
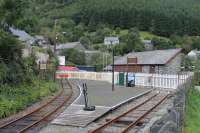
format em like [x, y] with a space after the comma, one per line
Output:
[141, 79]
[161, 80]
[101, 76]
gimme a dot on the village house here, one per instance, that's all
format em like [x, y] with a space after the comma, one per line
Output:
[157, 61]
[111, 41]
[148, 45]
[22, 36]
[70, 45]
[194, 54]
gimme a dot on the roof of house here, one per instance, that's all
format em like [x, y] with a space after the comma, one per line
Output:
[69, 45]
[147, 41]
[22, 35]
[156, 57]
[91, 51]
[194, 52]
[159, 57]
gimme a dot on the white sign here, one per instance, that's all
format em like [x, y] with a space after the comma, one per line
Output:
[43, 66]
[111, 40]
[61, 60]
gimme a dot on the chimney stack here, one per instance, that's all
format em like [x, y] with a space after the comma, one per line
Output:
[131, 60]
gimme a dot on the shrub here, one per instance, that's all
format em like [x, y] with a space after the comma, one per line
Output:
[16, 98]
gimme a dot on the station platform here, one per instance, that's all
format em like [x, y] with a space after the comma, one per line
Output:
[100, 94]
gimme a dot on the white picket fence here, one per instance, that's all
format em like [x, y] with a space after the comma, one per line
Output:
[161, 80]
[141, 79]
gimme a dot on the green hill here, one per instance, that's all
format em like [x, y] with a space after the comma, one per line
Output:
[92, 20]
[158, 16]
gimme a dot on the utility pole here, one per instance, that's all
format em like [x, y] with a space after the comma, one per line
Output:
[55, 41]
[127, 73]
[55, 35]
[110, 41]
[103, 61]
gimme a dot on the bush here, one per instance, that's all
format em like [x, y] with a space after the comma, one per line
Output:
[74, 56]
[16, 98]
[85, 41]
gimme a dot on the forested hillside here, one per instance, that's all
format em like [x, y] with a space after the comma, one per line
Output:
[89, 21]
[162, 17]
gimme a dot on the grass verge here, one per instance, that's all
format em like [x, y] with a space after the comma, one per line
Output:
[192, 116]
[15, 98]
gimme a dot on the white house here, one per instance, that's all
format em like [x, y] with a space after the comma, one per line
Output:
[111, 40]
[194, 54]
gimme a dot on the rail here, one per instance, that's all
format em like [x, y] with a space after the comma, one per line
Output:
[50, 103]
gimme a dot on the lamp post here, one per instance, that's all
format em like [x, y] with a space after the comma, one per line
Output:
[111, 41]
[113, 67]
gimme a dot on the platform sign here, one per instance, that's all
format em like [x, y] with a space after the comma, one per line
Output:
[61, 60]
[131, 79]
[61, 76]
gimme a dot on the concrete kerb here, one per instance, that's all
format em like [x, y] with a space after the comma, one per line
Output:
[130, 99]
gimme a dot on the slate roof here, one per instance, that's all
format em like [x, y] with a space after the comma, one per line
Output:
[159, 57]
[22, 35]
[68, 45]
[156, 57]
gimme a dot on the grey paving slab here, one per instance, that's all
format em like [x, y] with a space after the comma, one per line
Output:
[101, 94]
[74, 115]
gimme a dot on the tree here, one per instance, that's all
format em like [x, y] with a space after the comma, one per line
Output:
[196, 43]
[97, 60]
[85, 41]
[160, 43]
[74, 56]
[10, 49]
[78, 32]
[11, 11]
[158, 16]
[117, 30]
[134, 42]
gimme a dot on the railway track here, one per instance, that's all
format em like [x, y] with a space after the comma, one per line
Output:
[39, 115]
[126, 121]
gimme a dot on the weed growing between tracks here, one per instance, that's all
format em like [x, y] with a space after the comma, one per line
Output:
[192, 118]
[16, 98]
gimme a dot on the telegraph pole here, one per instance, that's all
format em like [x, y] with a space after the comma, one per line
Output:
[55, 35]
[55, 41]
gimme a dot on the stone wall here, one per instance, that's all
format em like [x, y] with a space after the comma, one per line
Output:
[173, 121]
[172, 67]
